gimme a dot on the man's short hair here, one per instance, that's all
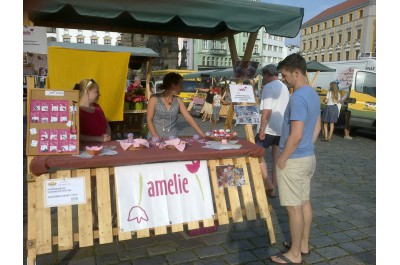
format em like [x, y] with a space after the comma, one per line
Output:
[270, 70]
[292, 62]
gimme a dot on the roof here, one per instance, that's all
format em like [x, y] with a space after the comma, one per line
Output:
[334, 11]
[201, 19]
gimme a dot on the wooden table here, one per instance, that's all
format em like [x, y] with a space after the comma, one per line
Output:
[232, 204]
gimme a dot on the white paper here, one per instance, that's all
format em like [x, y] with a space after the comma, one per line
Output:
[242, 93]
[58, 93]
[34, 143]
[33, 131]
[60, 192]
[35, 40]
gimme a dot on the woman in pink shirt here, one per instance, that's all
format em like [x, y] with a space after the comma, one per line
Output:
[92, 121]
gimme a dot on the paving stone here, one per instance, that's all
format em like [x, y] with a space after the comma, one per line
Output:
[240, 257]
[353, 260]
[189, 243]
[331, 252]
[344, 225]
[351, 247]
[210, 251]
[322, 241]
[159, 260]
[210, 261]
[213, 239]
[132, 253]
[105, 249]
[330, 228]
[314, 257]
[316, 232]
[242, 235]
[138, 242]
[355, 234]
[181, 257]
[107, 259]
[161, 248]
[371, 231]
[368, 244]
[240, 245]
[82, 261]
[46, 259]
[264, 252]
[368, 257]
[340, 237]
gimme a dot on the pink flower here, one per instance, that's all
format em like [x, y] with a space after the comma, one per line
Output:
[194, 167]
[136, 212]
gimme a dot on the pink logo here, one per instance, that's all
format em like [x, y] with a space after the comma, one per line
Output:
[136, 212]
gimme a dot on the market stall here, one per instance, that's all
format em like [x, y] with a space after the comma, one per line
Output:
[164, 17]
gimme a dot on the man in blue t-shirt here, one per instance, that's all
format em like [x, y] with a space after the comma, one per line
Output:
[296, 162]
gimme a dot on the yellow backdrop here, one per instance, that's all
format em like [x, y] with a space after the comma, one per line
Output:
[66, 67]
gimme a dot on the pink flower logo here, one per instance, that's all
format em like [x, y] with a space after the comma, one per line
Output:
[136, 212]
[193, 168]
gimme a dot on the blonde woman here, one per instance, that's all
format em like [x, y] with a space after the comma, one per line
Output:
[331, 112]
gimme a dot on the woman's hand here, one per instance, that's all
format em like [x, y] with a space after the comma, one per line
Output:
[106, 138]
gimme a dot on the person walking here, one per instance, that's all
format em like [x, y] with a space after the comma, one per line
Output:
[331, 112]
[296, 162]
[207, 107]
[216, 106]
[273, 102]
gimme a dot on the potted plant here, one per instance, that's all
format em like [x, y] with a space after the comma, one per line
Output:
[135, 97]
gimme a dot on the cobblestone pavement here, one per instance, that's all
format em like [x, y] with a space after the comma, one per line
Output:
[344, 226]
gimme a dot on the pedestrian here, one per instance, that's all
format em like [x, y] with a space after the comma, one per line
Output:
[216, 106]
[273, 102]
[296, 162]
[207, 107]
[331, 112]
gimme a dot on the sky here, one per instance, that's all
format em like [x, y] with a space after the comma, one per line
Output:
[311, 9]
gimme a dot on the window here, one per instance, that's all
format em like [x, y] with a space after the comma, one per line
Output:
[142, 36]
[340, 20]
[256, 48]
[208, 60]
[323, 42]
[338, 56]
[304, 46]
[347, 56]
[350, 17]
[330, 57]
[244, 46]
[305, 31]
[185, 44]
[315, 58]
[80, 40]
[66, 39]
[317, 27]
[212, 61]
[365, 83]
[349, 36]
[223, 45]
[311, 29]
[339, 38]
[325, 25]
[309, 58]
[280, 49]
[357, 53]
[204, 60]
[358, 34]
[331, 40]
[316, 43]
[310, 45]
[332, 23]
[107, 42]
[205, 45]
[360, 13]
[93, 41]
[322, 57]
[275, 48]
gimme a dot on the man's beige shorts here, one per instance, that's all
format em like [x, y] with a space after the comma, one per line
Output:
[294, 180]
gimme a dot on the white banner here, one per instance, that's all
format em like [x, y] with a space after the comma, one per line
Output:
[242, 93]
[35, 40]
[160, 194]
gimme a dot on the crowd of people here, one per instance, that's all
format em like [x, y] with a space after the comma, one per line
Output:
[290, 123]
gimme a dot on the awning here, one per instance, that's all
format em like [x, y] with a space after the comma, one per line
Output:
[199, 74]
[229, 72]
[314, 66]
[201, 19]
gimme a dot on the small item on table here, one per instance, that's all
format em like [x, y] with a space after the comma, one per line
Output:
[133, 144]
[94, 150]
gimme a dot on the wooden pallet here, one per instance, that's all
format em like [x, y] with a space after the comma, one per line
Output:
[92, 224]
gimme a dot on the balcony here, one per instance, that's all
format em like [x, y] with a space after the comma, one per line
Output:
[322, 50]
[330, 48]
[357, 43]
[315, 51]
[218, 51]
[347, 45]
[338, 47]
[302, 53]
[309, 52]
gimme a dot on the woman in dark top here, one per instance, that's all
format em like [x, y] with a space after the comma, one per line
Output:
[207, 107]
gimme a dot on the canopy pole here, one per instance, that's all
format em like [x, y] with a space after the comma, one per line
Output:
[315, 78]
[232, 48]
[250, 46]
[148, 75]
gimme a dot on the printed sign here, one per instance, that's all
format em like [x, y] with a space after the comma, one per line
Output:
[160, 194]
[59, 192]
[242, 93]
[35, 40]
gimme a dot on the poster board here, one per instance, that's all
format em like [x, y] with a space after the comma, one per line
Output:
[53, 122]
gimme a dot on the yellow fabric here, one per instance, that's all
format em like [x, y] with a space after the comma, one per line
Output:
[66, 67]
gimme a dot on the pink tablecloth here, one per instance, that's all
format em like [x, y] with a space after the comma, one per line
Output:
[193, 151]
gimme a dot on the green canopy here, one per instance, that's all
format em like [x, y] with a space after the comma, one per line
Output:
[229, 72]
[314, 66]
[201, 19]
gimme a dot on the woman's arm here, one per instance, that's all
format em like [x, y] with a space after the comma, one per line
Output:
[151, 106]
[189, 118]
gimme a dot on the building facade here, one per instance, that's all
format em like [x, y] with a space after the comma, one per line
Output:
[343, 32]
[83, 36]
